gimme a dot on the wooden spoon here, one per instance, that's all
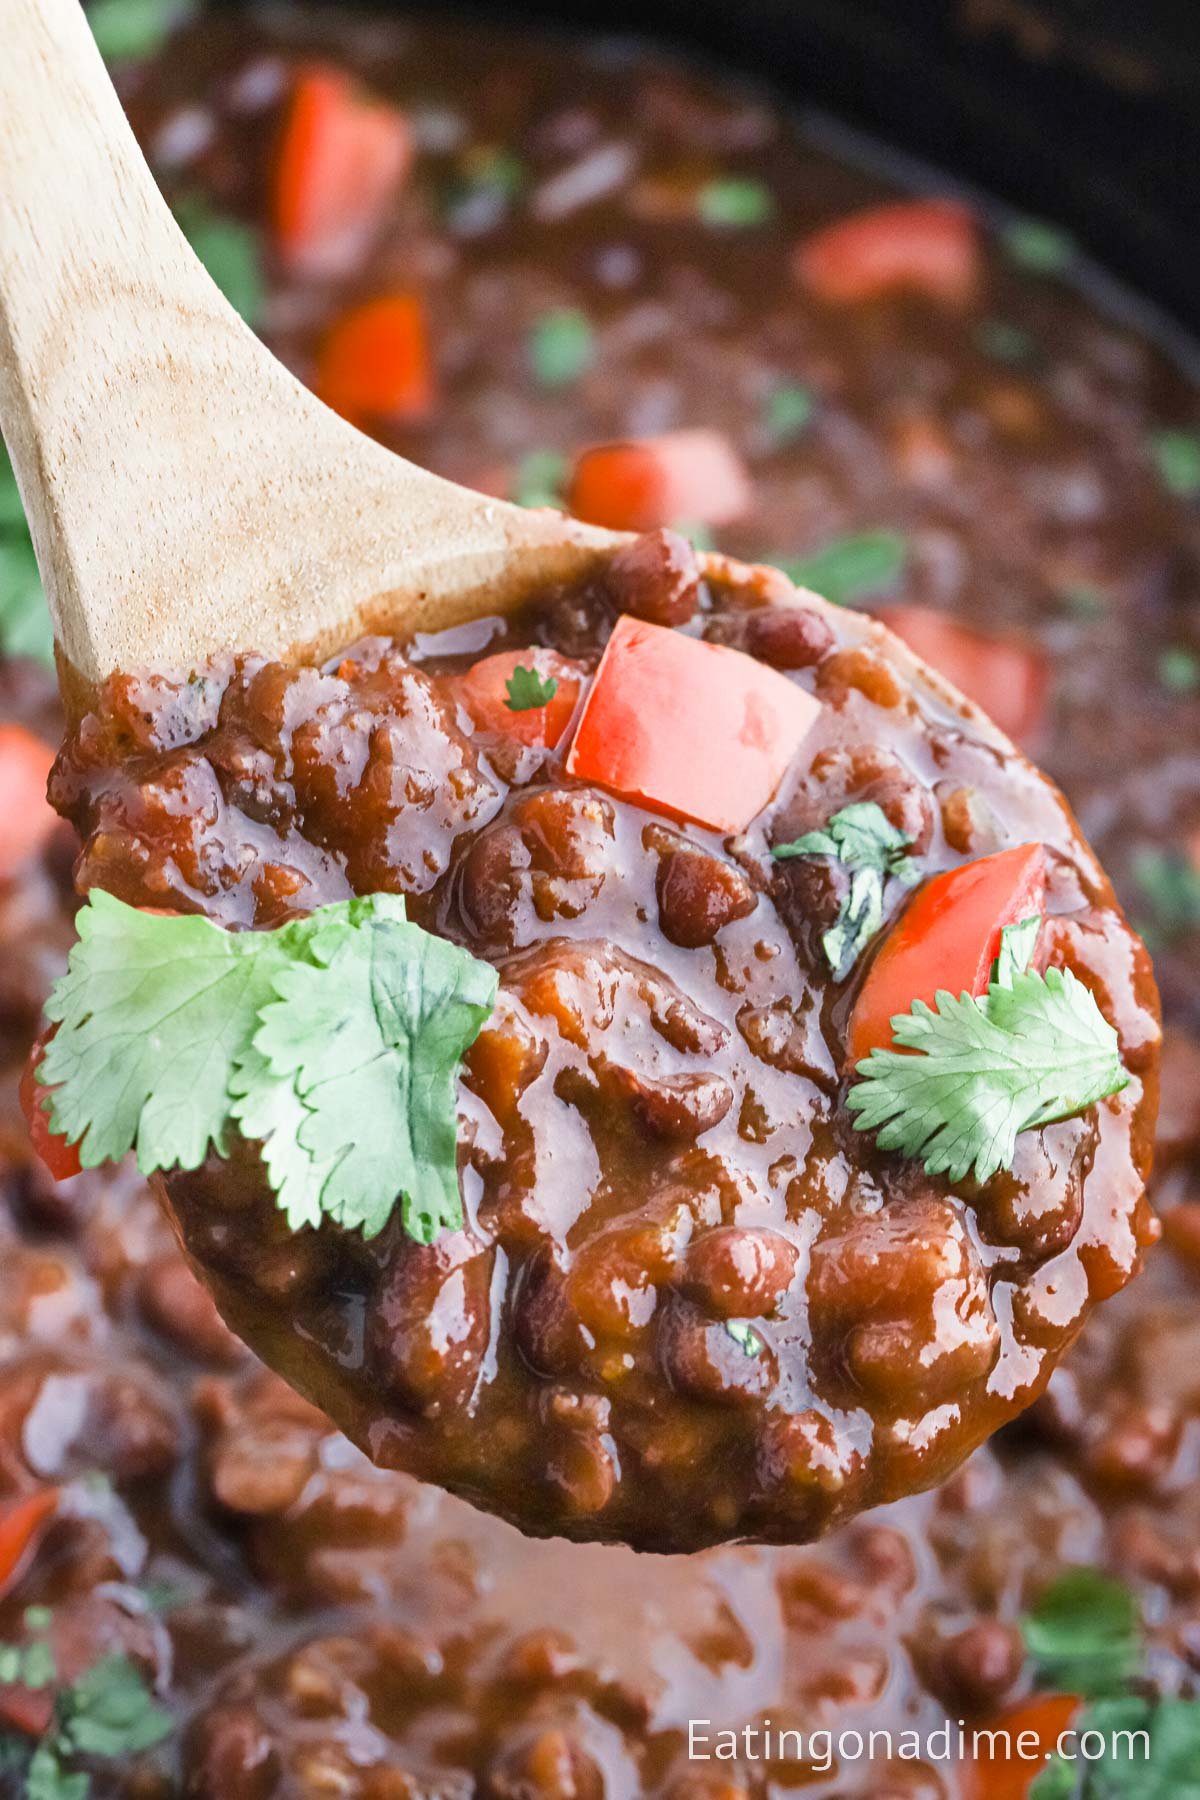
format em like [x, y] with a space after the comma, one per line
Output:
[186, 495]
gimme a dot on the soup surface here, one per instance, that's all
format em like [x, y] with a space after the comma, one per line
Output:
[593, 245]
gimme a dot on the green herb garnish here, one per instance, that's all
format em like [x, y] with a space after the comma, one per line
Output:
[335, 1039]
[541, 479]
[229, 251]
[863, 838]
[124, 29]
[1035, 1048]
[1179, 670]
[527, 689]
[744, 1336]
[108, 1713]
[735, 200]
[1177, 458]
[1004, 342]
[851, 568]
[562, 346]
[1036, 244]
[1082, 1634]
[24, 616]
[1171, 883]
[788, 413]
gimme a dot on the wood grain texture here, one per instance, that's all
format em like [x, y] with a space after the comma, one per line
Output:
[185, 493]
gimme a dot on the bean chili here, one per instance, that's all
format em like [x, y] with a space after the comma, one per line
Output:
[1015, 475]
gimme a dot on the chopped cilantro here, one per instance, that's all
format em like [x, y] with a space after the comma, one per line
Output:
[527, 689]
[863, 838]
[744, 1336]
[1082, 1634]
[735, 200]
[851, 568]
[1179, 670]
[788, 412]
[1005, 342]
[1017, 944]
[1037, 245]
[562, 346]
[38, 1618]
[24, 616]
[541, 478]
[335, 1040]
[1177, 458]
[1171, 883]
[124, 29]
[12, 512]
[699, 536]
[485, 187]
[1085, 602]
[1030, 1051]
[229, 251]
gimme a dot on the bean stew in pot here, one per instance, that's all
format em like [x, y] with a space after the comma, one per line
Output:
[588, 275]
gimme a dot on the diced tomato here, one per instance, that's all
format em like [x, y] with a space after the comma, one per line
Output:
[26, 816]
[340, 159]
[483, 691]
[927, 247]
[28, 1710]
[1037, 1725]
[1006, 676]
[60, 1157]
[696, 730]
[646, 483]
[21, 1525]
[948, 936]
[375, 361]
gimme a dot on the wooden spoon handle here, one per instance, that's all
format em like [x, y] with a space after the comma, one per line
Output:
[186, 495]
[109, 328]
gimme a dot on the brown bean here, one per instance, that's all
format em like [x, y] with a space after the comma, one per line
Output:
[546, 859]
[427, 1332]
[681, 1106]
[698, 895]
[739, 1272]
[230, 1755]
[543, 1764]
[787, 637]
[705, 1361]
[656, 577]
[175, 1303]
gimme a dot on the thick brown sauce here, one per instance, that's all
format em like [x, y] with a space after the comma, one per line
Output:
[338, 1629]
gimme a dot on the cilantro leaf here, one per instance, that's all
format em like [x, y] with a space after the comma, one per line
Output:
[526, 689]
[787, 413]
[1017, 944]
[1177, 458]
[229, 251]
[562, 346]
[335, 1040]
[540, 479]
[25, 628]
[109, 1711]
[744, 1336]
[1171, 883]
[350, 1076]
[1036, 244]
[873, 849]
[1083, 1634]
[735, 200]
[1059, 1780]
[48, 1780]
[851, 568]
[128, 28]
[150, 1015]
[1021, 1057]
